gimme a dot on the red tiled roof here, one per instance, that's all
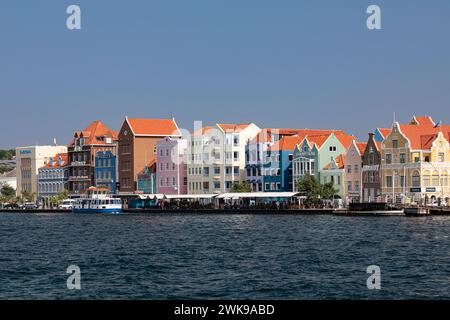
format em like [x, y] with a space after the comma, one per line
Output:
[423, 121]
[227, 127]
[361, 147]
[202, 131]
[378, 145]
[287, 143]
[345, 139]
[94, 133]
[153, 127]
[317, 140]
[384, 131]
[340, 160]
[56, 163]
[267, 134]
[422, 136]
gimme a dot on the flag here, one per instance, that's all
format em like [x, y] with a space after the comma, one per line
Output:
[438, 124]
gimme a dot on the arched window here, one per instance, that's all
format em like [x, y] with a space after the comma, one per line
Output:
[435, 179]
[444, 178]
[426, 178]
[416, 179]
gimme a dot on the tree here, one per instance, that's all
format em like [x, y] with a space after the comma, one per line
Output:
[241, 187]
[7, 154]
[311, 189]
[28, 196]
[63, 195]
[327, 191]
[7, 191]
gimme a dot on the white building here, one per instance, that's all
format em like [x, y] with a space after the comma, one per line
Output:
[216, 157]
[28, 161]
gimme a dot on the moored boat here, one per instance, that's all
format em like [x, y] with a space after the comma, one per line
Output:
[97, 200]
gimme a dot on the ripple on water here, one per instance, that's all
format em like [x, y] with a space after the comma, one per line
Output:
[222, 256]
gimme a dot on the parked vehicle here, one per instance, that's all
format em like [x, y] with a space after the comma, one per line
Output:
[66, 204]
[30, 206]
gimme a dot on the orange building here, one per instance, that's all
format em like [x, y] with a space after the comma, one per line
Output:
[137, 147]
[82, 150]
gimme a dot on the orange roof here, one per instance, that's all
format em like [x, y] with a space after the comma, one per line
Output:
[339, 160]
[56, 163]
[267, 134]
[361, 146]
[345, 139]
[226, 127]
[423, 121]
[378, 145]
[384, 131]
[287, 143]
[94, 133]
[153, 127]
[202, 131]
[422, 136]
[317, 140]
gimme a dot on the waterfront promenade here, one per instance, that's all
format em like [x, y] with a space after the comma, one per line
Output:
[335, 212]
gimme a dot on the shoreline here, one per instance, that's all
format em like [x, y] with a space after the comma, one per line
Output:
[315, 212]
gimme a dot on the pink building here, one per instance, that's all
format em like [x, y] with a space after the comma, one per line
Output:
[171, 166]
[353, 171]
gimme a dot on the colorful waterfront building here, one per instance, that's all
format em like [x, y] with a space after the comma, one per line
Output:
[53, 176]
[315, 152]
[371, 171]
[334, 173]
[137, 147]
[415, 163]
[269, 158]
[353, 171]
[256, 153]
[147, 179]
[216, 157]
[171, 166]
[97, 137]
[105, 170]
[28, 162]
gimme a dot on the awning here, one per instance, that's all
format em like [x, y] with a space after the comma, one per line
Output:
[239, 195]
[190, 196]
[157, 196]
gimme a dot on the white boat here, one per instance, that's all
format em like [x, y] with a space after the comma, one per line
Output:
[97, 200]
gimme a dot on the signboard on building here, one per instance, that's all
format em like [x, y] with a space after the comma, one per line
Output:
[430, 189]
[415, 190]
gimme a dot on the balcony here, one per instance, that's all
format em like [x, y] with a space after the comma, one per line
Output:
[78, 163]
[79, 178]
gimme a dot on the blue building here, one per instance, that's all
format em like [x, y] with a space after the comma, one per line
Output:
[53, 177]
[277, 166]
[105, 171]
[146, 179]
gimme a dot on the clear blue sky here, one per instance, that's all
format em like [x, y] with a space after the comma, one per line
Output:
[310, 64]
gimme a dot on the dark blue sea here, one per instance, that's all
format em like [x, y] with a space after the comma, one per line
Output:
[185, 256]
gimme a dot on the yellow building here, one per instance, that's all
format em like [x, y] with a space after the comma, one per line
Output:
[415, 163]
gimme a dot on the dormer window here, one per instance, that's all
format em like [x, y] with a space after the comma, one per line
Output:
[332, 148]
